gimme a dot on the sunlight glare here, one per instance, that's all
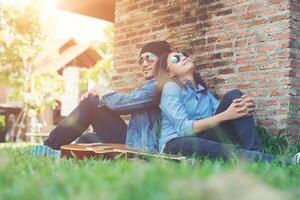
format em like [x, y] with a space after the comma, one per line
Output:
[51, 3]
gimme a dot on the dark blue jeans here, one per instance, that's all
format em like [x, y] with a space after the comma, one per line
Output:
[109, 126]
[237, 137]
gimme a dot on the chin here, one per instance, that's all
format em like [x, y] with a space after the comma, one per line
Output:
[148, 76]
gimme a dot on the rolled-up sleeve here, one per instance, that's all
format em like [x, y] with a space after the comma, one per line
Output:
[214, 102]
[172, 106]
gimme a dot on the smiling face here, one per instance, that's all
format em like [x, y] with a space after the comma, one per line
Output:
[179, 64]
[147, 61]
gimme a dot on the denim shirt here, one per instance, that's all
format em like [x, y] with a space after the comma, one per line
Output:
[180, 107]
[145, 115]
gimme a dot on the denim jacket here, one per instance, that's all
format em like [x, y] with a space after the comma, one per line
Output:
[180, 107]
[145, 115]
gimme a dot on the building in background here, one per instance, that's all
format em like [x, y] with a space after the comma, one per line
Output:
[74, 35]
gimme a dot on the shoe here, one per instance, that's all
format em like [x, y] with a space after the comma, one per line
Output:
[296, 158]
[43, 150]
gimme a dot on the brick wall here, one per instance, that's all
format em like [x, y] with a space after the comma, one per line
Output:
[294, 45]
[252, 45]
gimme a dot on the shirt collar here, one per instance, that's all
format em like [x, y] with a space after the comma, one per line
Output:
[153, 80]
[190, 85]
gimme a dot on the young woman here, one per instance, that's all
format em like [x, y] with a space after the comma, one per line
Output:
[194, 122]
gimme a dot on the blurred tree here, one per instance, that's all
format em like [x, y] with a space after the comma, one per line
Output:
[101, 72]
[25, 38]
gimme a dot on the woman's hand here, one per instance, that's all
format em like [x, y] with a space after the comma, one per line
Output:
[247, 102]
[241, 107]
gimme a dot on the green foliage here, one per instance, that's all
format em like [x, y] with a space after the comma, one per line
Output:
[23, 31]
[26, 177]
[278, 144]
[293, 108]
[2, 124]
[25, 36]
[48, 87]
[103, 68]
[2, 121]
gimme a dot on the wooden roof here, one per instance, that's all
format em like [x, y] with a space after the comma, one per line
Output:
[101, 9]
[70, 51]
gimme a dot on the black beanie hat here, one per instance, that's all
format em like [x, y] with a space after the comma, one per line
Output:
[156, 47]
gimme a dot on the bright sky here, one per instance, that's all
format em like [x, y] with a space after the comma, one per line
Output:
[84, 29]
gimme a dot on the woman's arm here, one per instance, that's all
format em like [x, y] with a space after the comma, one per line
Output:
[236, 110]
[172, 107]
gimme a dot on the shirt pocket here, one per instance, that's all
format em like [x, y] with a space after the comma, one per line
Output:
[192, 109]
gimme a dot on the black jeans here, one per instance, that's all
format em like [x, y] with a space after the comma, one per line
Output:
[237, 137]
[109, 126]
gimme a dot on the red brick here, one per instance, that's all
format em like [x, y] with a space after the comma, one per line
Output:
[280, 17]
[133, 7]
[281, 55]
[226, 71]
[227, 54]
[173, 24]
[281, 36]
[127, 69]
[266, 48]
[258, 22]
[257, 93]
[267, 122]
[246, 86]
[145, 4]
[263, 13]
[259, 59]
[256, 6]
[132, 34]
[225, 12]
[276, 1]
[230, 19]
[239, 9]
[220, 64]
[224, 46]
[173, 10]
[267, 84]
[240, 43]
[225, 37]
[212, 39]
[123, 43]
[247, 68]
[249, 15]
[242, 60]
[159, 27]
[245, 51]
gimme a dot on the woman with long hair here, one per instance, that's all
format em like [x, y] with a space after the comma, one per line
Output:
[195, 123]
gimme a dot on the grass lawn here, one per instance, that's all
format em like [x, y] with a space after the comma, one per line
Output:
[26, 177]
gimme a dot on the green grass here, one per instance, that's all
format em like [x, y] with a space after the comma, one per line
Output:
[26, 177]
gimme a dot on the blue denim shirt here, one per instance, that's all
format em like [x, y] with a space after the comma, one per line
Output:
[180, 106]
[145, 115]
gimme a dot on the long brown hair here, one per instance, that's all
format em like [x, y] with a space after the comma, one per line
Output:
[161, 72]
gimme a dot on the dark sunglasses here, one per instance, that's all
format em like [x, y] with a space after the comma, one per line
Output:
[150, 58]
[177, 58]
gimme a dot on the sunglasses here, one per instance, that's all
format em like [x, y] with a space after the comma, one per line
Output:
[150, 58]
[177, 58]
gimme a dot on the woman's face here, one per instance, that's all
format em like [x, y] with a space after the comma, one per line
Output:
[179, 64]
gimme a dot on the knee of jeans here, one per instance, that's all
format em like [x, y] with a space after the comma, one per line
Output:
[233, 94]
[93, 100]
